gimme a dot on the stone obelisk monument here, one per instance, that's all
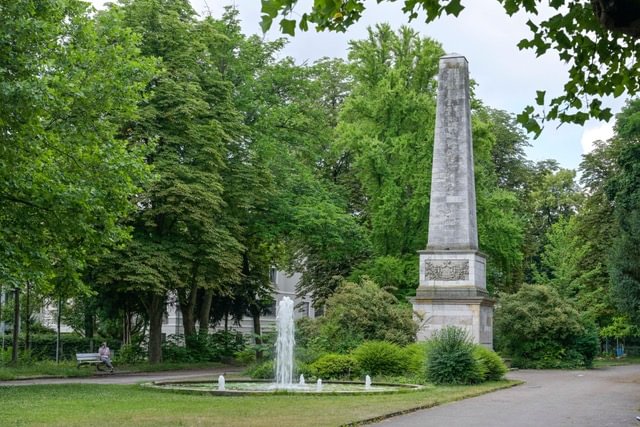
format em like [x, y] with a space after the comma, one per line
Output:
[452, 288]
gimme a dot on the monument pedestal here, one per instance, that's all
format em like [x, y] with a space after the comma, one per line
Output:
[452, 292]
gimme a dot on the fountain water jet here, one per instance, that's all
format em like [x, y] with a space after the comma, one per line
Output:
[284, 372]
[284, 344]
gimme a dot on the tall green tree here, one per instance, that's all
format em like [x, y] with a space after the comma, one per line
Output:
[385, 132]
[597, 39]
[623, 188]
[554, 195]
[385, 140]
[68, 80]
[182, 238]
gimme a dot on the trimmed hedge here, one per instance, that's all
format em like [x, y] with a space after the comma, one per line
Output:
[43, 346]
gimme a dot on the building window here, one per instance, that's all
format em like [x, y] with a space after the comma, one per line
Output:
[304, 309]
[273, 275]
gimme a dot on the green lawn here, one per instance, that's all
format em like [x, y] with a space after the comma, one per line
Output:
[69, 369]
[115, 405]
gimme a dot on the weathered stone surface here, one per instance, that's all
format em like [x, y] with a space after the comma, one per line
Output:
[449, 269]
[475, 261]
[452, 289]
[452, 212]
[476, 317]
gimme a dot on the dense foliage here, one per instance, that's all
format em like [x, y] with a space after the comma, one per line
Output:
[451, 359]
[381, 358]
[597, 39]
[152, 158]
[361, 312]
[538, 328]
[335, 366]
[492, 365]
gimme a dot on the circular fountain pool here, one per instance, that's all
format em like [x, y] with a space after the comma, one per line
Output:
[284, 383]
[240, 388]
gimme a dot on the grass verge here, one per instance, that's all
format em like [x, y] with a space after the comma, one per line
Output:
[68, 369]
[117, 405]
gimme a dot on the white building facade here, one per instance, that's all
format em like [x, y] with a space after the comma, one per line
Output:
[284, 285]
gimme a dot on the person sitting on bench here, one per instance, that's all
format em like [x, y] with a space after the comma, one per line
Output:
[105, 356]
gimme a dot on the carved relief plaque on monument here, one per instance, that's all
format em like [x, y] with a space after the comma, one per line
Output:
[446, 269]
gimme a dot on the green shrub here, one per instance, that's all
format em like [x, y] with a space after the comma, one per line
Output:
[201, 347]
[451, 358]
[131, 353]
[335, 366]
[355, 313]
[264, 371]
[246, 356]
[381, 358]
[538, 328]
[174, 350]
[226, 344]
[43, 346]
[588, 343]
[302, 368]
[492, 363]
[416, 355]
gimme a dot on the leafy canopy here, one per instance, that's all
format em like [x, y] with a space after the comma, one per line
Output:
[68, 81]
[598, 39]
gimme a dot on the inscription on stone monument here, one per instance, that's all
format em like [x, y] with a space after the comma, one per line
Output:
[446, 270]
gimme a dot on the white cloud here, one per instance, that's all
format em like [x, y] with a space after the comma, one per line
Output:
[590, 134]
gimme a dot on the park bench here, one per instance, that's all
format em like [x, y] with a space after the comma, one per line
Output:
[89, 359]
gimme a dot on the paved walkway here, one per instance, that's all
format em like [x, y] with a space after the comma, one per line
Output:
[593, 398]
[129, 378]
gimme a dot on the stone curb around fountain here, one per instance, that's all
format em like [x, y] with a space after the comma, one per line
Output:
[175, 386]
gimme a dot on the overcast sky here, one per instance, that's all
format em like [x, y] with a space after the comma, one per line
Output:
[507, 78]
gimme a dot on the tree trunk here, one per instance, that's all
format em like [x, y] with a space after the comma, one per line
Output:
[16, 326]
[618, 15]
[27, 319]
[155, 310]
[205, 309]
[257, 331]
[127, 327]
[187, 304]
[59, 322]
[89, 327]
[187, 298]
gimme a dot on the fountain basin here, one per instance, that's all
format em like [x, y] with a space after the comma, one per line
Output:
[266, 387]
